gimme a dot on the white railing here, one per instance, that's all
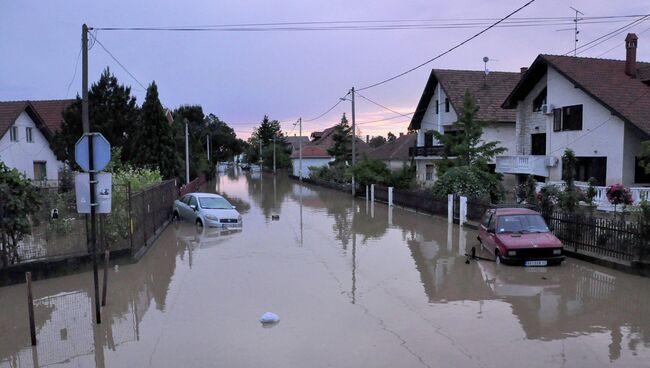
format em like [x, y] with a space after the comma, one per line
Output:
[638, 193]
[522, 164]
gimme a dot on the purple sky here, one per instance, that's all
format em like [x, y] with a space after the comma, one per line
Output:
[240, 76]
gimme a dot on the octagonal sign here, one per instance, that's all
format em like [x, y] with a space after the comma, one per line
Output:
[101, 152]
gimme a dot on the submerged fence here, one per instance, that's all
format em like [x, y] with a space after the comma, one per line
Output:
[59, 232]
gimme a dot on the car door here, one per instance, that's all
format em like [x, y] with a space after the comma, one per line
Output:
[490, 233]
[192, 214]
[184, 208]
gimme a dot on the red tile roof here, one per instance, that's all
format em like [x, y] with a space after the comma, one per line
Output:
[47, 114]
[395, 150]
[488, 92]
[311, 152]
[603, 79]
[326, 141]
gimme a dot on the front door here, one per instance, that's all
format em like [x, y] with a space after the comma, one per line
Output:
[538, 144]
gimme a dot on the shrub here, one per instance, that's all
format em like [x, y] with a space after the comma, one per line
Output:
[619, 194]
[470, 182]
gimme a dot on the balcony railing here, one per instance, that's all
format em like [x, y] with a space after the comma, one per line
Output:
[523, 164]
[600, 200]
[427, 151]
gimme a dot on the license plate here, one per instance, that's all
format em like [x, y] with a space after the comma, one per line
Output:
[535, 263]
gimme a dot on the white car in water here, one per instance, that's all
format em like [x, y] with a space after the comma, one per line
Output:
[207, 209]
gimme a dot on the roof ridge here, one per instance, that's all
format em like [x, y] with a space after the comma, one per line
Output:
[589, 58]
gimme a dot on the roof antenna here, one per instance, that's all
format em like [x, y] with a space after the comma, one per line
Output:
[487, 71]
[575, 29]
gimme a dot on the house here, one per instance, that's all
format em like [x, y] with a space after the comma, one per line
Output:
[441, 102]
[314, 153]
[395, 154]
[293, 142]
[599, 108]
[26, 130]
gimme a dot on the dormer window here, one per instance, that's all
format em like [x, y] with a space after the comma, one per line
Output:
[539, 101]
[13, 134]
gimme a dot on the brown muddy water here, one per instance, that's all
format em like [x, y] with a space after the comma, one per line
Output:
[355, 285]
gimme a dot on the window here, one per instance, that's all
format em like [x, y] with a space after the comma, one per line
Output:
[13, 134]
[486, 218]
[186, 199]
[446, 105]
[40, 171]
[538, 144]
[28, 134]
[194, 202]
[437, 107]
[428, 139]
[539, 101]
[588, 167]
[429, 173]
[522, 224]
[567, 118]
[640, 176]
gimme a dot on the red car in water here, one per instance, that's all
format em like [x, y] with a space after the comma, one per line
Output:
[519, 236]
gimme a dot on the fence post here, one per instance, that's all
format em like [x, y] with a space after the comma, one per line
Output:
[144, 217]
[390, 196]
[463, 210]
[106, 261]
[30, 307]
[129, 218]
[366, 192]
[372, 193]
[450, 208]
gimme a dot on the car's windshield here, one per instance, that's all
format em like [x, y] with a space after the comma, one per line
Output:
[521, 224]
[213, 203]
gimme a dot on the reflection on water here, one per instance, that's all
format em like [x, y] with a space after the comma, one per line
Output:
[391, 282]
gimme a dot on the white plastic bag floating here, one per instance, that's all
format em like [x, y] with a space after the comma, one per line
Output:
[269, 317]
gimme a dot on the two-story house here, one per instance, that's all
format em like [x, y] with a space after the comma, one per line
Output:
[598, 108]
[26, 129]
[440, 105]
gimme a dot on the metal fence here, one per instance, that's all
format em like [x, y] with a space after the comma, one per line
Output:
[59, 232]
[611, 238]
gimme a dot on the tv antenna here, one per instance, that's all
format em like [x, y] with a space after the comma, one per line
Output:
[575, 29]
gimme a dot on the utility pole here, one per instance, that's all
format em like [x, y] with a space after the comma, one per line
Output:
[260, 154]
[187, 154]
[300, 151]
[273, 154]
[354, 152]
[207, 146]
[85, 119]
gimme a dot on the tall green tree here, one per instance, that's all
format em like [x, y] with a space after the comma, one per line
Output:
[377, 141]
[264, 134]
[224, 143]
[195, 118]
[463, 145]
[152, 142]
[341, 148]
[112, 111]
[391, 137]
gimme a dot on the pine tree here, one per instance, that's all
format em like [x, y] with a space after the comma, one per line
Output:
[341, 148]
[391, 137]
[112, 112]
[463, 145]
[153, 142]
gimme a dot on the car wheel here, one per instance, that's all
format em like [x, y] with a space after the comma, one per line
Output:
[199, 223]
[176, 217]
[497, 257]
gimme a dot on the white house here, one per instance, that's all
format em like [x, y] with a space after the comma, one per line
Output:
[599, 108]
[26, 128]
[312, 156]
[440, 103]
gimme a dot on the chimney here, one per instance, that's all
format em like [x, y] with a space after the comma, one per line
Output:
[630, 56]
[367, 138]
[401, 134]
[523, 70]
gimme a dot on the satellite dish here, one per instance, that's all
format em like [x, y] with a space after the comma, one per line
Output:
[486, 59]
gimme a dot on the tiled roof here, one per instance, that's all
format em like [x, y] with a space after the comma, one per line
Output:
[603, 79]
[47, 114]
[488, 93]
[395, 150]
[326, 141]
[311, 152]
[294, 141]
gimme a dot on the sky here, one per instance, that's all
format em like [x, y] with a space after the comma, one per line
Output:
[242, 76]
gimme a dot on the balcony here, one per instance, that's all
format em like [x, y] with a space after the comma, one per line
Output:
[525, 164]
[435, 151]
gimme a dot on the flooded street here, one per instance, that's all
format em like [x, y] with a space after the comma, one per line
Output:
[354, 284]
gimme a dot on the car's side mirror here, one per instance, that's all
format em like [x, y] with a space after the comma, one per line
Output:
[234, 207]
[193, 207]
[491, 231]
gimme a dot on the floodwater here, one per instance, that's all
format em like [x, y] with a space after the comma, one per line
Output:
[355, 285]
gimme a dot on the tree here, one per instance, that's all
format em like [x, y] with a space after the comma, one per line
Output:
[463, 145]
[377, 141]
[152, 142]
[469, 181]
[112, 112]
[369, 172]
[19, 200]
[195, 118]
[265, 133]
[568, 199]
[223, 140]
[341, 148]
[391, 137]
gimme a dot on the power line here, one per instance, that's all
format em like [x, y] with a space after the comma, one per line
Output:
[382, 106]
[74, 74]
[609, 35]
[328, 110]
[449, 50]
[117, 61]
